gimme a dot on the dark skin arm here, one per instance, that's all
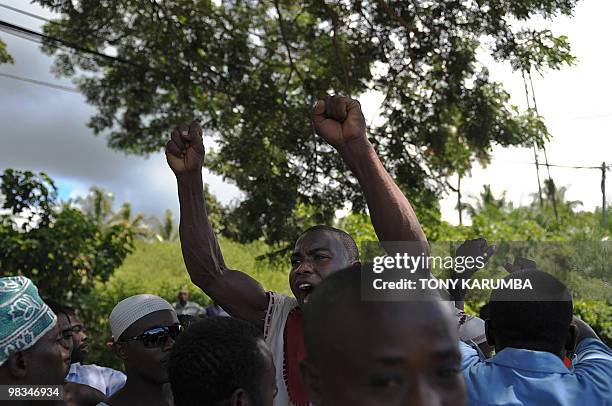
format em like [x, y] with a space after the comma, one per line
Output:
[340, 122]
[239, 294]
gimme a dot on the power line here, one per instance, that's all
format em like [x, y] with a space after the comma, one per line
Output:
[40, 82]
[15, 29]
[25, 13]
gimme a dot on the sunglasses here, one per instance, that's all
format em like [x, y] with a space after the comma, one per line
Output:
[157, 336]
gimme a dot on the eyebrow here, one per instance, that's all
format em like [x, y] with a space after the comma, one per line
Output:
[297, 254]
[449, 353]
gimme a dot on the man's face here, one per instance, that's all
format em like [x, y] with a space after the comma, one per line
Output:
[268, 380]
[391, 354]
[316, 255]
[183, 296]
[150, 363]
[49, 359]
[79, 339]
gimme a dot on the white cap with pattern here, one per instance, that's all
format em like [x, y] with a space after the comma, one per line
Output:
[132, 309]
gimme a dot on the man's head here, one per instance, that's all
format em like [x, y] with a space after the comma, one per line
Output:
[319, 251]
[77, 331]
[32, 347]
[537, 319]
[144, 329]
[183, 296]
[378, 353]
[222, 360]
[79, 338]
[63, 323]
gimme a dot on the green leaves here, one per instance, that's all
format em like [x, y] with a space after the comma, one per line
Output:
[64, 250]
[250, 70]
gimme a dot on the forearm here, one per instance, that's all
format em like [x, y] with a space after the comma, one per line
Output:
[391, 213]
[201, 251]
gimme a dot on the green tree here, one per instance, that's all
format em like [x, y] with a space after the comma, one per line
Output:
[5, 57]
[63, 250]
[251, 69]
[166, 229]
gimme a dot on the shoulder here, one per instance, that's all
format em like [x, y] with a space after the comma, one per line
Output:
[593, 356]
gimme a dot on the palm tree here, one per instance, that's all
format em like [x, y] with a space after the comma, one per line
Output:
[166, 229]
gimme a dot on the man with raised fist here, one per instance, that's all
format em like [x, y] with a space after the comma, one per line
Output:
[318, 252]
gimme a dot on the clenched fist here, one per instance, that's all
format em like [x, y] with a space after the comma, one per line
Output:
[185, 150]
[338, 120]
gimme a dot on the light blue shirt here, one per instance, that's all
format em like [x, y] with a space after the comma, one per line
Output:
[524, 377]
[106, 380]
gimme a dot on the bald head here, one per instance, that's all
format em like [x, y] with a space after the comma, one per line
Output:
[370, 353]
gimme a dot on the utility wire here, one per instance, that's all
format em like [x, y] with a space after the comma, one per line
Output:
[40, 82]
[25, 13]
[15, 29]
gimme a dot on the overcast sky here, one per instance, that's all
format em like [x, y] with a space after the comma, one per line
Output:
[44, 129]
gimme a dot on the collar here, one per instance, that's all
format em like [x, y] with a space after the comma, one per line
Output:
[74, 367]
[528, 360]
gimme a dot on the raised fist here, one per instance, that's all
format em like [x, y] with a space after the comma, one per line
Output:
[338, 120]
[185, 150]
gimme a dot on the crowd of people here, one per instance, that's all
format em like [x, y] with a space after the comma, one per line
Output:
[324, 345]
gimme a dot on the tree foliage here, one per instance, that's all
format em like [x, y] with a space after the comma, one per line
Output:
[61, 248]
[5, 57]
[251, 69]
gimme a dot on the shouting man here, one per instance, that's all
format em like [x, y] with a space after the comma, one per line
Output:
[318, 252]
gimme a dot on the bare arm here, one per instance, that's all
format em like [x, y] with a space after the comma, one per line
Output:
[340, 122]
[239, 294]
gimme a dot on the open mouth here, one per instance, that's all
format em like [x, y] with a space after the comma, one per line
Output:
[306, 289]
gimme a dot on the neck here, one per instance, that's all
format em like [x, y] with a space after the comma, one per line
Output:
[139, 391]
[183, 302]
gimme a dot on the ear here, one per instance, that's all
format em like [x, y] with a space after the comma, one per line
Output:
[489, 333]
[119, 349]
[311, 379]
[571, 340]
[17, 364]
[240, 398]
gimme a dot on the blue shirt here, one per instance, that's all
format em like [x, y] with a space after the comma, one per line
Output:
[524, 377]
[106, 380]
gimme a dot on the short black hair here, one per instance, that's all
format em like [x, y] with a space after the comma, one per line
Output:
[345, 238]
[213, 358]
[59, 308]
[536, 319]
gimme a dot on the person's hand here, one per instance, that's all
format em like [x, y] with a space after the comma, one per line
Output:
[469, 249]
[473, 249]
[519, 264]
[338, 120]
[185, 150]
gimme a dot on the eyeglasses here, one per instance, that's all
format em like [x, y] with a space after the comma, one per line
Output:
[157, 336]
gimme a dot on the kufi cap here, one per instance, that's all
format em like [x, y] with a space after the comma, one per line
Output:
[134, 308]
[24, 317]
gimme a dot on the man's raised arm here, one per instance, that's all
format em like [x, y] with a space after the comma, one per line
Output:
[239, 294]
[340, 122]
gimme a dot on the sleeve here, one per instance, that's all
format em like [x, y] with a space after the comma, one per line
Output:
[594, 362]
[116, 381]
[469, 356]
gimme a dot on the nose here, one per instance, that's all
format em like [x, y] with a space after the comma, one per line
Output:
[422, 394]
[304, 267]
[168, 344]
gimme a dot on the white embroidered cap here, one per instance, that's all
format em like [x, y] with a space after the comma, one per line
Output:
[134, 308]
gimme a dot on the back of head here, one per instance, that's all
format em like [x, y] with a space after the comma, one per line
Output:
[536, 319]
[214, 358]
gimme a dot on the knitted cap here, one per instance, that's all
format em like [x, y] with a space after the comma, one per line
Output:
[134, 308]
[24, 317]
